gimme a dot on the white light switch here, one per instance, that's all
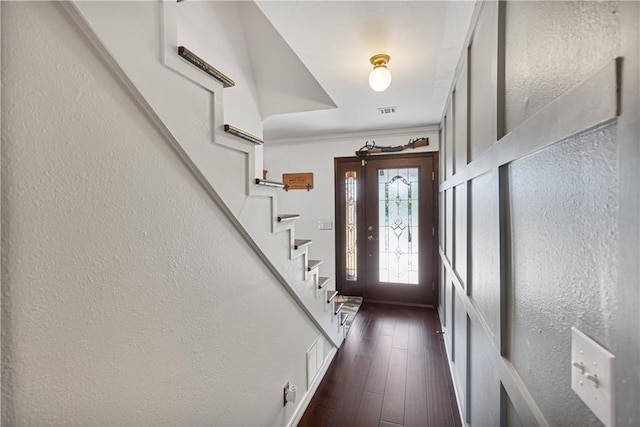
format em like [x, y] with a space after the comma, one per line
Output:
[325, 225]
[592, 375]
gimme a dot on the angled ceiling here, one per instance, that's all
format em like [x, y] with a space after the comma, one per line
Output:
[283, 82]
[335, 39]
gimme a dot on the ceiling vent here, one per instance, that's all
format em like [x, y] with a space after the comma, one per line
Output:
[387, 110]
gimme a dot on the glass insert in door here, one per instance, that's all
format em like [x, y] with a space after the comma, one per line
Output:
[351, 224]
[398, 225]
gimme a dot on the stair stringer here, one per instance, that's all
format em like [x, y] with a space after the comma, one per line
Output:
[292, 264]
[271, 244]
[158, 86]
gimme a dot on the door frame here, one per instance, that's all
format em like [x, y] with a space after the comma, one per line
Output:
[339, 205]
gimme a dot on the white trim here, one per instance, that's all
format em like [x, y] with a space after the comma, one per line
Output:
[475, 16]
[354, 135]
[297, 415]
[456, 386]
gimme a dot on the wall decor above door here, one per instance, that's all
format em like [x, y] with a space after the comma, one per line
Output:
[298, 181]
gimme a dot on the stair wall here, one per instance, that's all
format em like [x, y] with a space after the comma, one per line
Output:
[131, 292]
[191, 105]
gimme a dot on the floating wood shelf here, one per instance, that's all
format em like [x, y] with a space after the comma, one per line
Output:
[313, 263]
[268, 183]
[201, 64]
[287, 217]
[243, 135]
[299, 243]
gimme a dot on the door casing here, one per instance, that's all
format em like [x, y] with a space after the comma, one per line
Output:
[428, 251]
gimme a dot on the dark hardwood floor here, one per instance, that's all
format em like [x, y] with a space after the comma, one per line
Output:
[390, 371]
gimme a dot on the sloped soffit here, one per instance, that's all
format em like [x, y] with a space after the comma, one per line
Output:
[283, 82]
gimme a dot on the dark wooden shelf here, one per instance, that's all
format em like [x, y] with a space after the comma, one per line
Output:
[203, 65]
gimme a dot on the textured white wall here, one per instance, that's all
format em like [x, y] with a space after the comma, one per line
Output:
[318, 204]
[565, 252]
[565, 242]
[553, 46]
[127, 297]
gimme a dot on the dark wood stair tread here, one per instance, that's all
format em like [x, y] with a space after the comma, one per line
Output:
[313, 263]
[301, 243]
[322, 281]
[287, 217]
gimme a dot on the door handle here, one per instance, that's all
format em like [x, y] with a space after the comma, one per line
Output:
[370, 237]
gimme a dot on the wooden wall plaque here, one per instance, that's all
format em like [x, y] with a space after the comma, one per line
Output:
[298, 181]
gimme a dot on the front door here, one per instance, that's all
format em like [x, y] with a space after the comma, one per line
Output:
[386, 211]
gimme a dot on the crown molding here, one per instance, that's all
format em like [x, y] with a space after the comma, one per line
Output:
[355, 135]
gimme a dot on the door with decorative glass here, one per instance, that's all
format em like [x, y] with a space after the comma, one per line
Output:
[386, 211]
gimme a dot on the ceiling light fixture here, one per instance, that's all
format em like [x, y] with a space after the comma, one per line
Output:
[380, 77]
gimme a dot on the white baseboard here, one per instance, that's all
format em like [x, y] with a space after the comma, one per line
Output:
[297, 416]
[455, 382]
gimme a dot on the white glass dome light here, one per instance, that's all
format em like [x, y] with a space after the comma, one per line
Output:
[380, 77]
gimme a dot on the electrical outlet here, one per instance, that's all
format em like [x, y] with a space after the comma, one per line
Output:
[290, 393]
[592, 375]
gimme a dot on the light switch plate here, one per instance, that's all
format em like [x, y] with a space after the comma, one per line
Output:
[325, 225]
[592, 375]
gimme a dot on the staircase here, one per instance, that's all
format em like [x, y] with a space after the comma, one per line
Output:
[211, 147]
[283, 222]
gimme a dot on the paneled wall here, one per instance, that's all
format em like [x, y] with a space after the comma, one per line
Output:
[539, 209]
